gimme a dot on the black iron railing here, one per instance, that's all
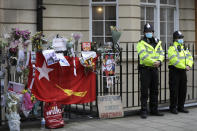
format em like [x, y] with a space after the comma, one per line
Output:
[127, 84]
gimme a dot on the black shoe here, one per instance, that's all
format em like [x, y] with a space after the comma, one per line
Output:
[183, 110]
[157, 113]
[143, 115]
[174, 111]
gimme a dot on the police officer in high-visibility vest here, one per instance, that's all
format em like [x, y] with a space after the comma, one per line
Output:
[151, 56]
[180, 61]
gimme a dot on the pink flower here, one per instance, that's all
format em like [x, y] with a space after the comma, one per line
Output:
[76, 36]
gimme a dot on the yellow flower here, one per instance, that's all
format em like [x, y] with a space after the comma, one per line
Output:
[39, 47]
[24, 91]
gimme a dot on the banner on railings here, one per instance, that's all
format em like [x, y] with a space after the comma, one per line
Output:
[58, 83]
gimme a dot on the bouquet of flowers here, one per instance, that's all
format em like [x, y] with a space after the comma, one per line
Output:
[88, 61]
[37, 41]
[69, 47]
[115, 34]
[12, 112]
[27, 102]
[15, 34]
[25, 38]
[3, 43]
[76, 37]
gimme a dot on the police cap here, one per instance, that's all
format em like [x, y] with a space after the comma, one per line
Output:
[177, 35]
[148, 28]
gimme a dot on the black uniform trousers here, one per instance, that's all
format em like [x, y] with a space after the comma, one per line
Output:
[178, 87]
[149, 80]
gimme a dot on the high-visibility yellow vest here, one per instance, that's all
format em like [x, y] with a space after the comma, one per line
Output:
[148, 54]
[179, 57]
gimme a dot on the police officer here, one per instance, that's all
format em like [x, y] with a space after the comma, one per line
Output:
[180, 61]
[151, 55]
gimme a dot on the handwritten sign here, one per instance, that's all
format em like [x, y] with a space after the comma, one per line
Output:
[110, 106]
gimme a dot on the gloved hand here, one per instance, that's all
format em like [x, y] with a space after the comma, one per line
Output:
[156, 63]
[187, 68]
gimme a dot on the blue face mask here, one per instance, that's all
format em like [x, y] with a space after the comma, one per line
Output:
[149, 35]
[180, 41]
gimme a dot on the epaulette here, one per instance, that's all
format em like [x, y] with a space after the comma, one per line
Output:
[156, 40]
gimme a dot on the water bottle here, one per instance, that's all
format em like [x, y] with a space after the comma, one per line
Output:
[42, 124]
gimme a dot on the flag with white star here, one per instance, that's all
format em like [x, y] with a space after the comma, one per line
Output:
[58, 83]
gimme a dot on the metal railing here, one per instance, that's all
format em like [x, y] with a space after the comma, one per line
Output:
[127, 84]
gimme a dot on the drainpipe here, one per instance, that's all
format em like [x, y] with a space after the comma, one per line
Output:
[39, 26]
[40, 9]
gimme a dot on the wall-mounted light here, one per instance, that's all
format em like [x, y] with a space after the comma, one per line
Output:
[99, 9]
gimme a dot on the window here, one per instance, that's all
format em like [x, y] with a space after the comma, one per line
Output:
[167, 20]
[103, 15]
[147, 16]
[161, 14]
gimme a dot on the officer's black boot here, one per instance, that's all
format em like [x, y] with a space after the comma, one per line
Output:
[143, 114]
[183, 110]
[173, 111]
[156, 113]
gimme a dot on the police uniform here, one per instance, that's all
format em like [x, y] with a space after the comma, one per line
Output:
[149, 51]
[179, 59]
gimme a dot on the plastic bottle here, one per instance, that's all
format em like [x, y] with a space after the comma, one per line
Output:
[42, 124]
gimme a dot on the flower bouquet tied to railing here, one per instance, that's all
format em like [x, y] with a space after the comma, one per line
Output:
[116, 33]
[37, 41]
[25, 35]
[76, 37]
[4, 41]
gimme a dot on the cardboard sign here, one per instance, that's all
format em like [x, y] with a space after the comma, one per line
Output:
[110, 106]
[86, 46]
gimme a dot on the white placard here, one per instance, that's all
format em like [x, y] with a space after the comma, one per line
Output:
[62, 60]
[50, 56]
[15, 87]
[59, 44]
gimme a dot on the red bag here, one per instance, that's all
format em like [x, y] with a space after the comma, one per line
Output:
[53, 115]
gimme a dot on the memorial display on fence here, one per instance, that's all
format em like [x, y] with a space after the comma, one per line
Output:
[54, 72]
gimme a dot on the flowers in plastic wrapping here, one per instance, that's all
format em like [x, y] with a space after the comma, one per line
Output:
[76, 36]
[115, 34]
[27, 102]
[12, 102]
[3, 42]
[13, 121]
[25, 35]
[87, 60]
[15, 34]
[37, 41]
[69, 47]
[14, 44]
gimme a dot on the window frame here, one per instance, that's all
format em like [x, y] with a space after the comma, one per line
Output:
[102, 3]
[157, 6]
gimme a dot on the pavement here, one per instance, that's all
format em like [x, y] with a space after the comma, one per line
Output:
[169, 122]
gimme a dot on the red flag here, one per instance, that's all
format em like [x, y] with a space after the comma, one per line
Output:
[30, 75]
[58, 83]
